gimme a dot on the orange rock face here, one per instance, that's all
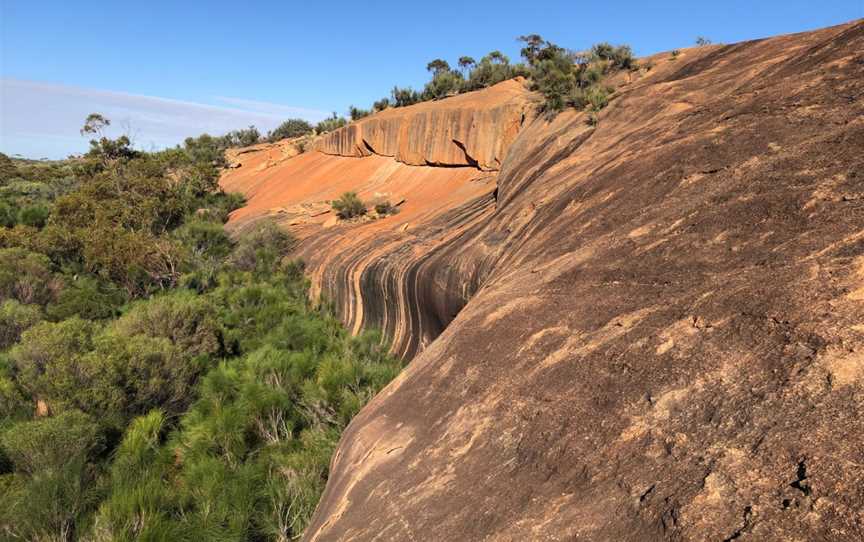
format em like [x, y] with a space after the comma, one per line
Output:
[473, 129]
[646, 330]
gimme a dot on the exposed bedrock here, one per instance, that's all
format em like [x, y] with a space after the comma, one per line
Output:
[651, 329]
[473, 129]
[665, 341]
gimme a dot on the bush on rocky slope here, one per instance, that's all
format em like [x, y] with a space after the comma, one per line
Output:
[348, 206]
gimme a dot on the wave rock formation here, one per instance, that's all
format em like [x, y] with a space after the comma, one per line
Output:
[648, 329]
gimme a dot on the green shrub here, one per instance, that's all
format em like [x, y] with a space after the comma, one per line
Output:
[14, 405]
[140, 506]
[241, 138]
[386, 208]
[33, 215]
[271, 380]
[328, 125]
[443, 84]
[52, 487]
[87, 297]
[8, 169]
[260, 247]
[106, 373]
[555, 79]
[356, 113]
[619, 57]
[204, 240]
[16, 318]
[187, 320]
[675, 54]
[348, 206]
[381, 104]
[403, 97]
[26, 277]
[47, 348]
[205, 149]
[8, 215]
[291, 128]
[576, 80]
[492, 69]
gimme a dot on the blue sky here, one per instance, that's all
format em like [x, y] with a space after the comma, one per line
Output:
[170, 69]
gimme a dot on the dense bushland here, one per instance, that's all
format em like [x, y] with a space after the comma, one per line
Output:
[158, 379]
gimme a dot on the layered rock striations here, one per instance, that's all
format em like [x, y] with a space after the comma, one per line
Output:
[374, 270]
[473, 129]
[645, 330]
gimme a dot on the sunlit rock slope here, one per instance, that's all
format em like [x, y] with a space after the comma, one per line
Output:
[651, 329]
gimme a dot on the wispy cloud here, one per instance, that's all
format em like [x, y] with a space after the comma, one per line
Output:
[282, 111]
[42, 119]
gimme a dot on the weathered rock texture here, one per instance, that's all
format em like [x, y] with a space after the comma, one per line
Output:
[653, 330]
[473, 129]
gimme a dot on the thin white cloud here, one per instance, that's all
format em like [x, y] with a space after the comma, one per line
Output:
[42, 119]
[277, 109]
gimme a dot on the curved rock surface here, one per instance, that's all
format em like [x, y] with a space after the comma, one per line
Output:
[473, 129]
[649, 330]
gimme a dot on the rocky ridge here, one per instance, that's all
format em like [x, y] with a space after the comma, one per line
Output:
[645, 330]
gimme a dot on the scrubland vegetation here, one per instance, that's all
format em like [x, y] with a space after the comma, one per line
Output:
[158, 379]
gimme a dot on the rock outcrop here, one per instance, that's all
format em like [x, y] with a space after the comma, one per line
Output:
[473, 129]
[650, 329]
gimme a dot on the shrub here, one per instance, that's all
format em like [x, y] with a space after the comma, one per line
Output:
[33, 215]
[8, 215]
[204, 240]
[260, 247]
[443, 84]
[48, 444]
[205, 149]
[381, 104]
[291, 128]
[492, 69]
[76, 365]
[356, 113]
[386, 208]
[52, 489]
[189, 321]
[16, 318]
[675, 54]
[348, 206]
[702, 41]
[555, 79]
[87, 297]
[8, 169]
[242, 138]
[26, 277]
[328, 125]
[48, 349]
[14, 405]
[403, 97]
[140, 504]
[567, 79]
